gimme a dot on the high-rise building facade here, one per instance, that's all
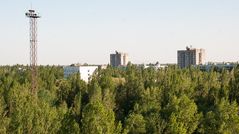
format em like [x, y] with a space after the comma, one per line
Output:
[119, 59]
[191, 56]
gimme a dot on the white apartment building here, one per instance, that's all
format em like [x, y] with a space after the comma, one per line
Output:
[85, 72]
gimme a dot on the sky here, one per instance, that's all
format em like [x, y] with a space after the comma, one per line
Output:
[87, 31]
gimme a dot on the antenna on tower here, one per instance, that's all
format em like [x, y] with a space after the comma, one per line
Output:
[33, 16]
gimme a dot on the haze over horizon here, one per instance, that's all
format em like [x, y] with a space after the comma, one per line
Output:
[149, 31]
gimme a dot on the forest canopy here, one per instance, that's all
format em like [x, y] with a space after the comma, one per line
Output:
[133, 100]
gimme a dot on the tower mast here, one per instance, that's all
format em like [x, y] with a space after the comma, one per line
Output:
[33, 48]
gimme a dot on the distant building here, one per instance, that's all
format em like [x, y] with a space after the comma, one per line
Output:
[191, 56]
[218, 66]
[119, 59]
[155, 66]
[85, 72]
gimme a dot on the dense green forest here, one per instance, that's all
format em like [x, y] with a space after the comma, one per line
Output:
[131, 100]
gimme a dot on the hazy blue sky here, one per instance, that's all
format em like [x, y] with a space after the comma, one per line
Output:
[82, 31]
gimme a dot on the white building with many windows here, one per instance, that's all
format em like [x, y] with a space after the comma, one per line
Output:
[85, 72]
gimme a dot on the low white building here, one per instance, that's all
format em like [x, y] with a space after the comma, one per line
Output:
[85, 72]
[155, 66]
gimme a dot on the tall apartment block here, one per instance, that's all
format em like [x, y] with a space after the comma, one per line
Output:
[119, 59]
[191, 56]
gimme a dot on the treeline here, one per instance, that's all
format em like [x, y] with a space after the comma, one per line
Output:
[131, 100]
